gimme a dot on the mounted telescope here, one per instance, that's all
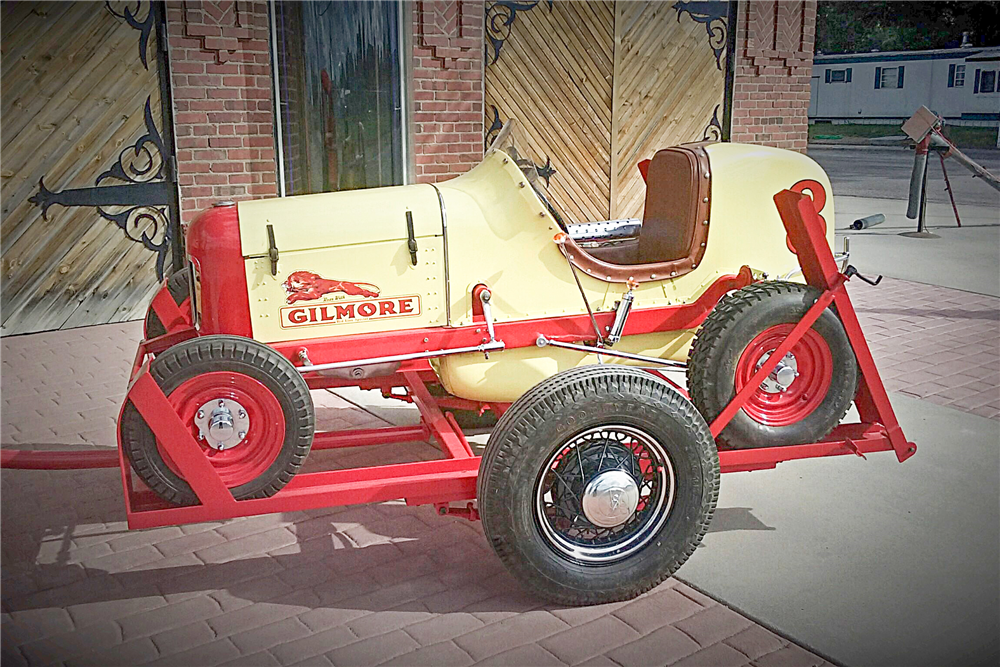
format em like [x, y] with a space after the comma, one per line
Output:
[924, 128]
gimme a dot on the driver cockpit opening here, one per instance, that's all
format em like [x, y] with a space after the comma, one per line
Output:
[673, 234]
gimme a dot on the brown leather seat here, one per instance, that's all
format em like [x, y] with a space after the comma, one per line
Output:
[669, 219]
[674, 235]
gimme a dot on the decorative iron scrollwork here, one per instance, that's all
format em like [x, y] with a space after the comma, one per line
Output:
[715, 17]
[137, 163]
[713, 131]
[139, 204]
[493, 130]
[500, 17]
[546, 171]
[129, 11]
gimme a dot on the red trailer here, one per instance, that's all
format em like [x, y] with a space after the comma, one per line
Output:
[667, 459]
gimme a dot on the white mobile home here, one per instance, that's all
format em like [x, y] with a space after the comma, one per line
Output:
[962, 85]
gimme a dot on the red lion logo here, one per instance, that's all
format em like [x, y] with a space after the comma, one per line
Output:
[309, 286]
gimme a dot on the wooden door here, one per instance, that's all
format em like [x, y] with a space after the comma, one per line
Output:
[88, 195]
[600, 86]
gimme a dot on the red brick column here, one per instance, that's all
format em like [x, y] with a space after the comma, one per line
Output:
[221, 77]
[774, 53]
[447, 87]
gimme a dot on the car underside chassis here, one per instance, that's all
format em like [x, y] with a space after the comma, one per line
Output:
[594, 486]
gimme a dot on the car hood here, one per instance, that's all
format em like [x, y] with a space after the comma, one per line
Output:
[331, 219]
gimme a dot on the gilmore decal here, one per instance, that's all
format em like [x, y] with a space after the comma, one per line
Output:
[343, 312]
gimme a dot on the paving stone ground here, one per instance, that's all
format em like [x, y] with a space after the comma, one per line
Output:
[934, 343]
[374, 584]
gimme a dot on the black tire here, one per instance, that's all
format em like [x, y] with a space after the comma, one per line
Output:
[556, 417]
[468, 420]
[180, 289]
[239, 357]
[717, 354]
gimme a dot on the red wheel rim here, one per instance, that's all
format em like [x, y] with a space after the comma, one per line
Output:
[805, 393]
[265, 436]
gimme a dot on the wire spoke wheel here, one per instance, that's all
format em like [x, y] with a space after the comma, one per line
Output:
[604, 494]
[597, 484]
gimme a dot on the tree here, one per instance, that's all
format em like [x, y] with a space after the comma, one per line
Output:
[856, 27]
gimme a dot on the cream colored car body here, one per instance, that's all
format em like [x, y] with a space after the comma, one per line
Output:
[487, 226]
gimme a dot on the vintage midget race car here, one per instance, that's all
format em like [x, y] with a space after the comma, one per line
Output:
[475, 293]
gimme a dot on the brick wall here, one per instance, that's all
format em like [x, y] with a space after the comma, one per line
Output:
[221, 77]
[447, 87]
[774, 51]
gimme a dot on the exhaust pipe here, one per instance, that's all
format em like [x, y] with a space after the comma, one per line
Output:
[868, 221]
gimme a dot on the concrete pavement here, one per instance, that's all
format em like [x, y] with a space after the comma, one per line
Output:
[871, 562]
[966, 258]
[884, 173]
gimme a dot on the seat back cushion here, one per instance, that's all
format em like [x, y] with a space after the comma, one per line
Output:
[670, 217]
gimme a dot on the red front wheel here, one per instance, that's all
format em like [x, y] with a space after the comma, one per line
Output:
[807, 393]
[244, 403]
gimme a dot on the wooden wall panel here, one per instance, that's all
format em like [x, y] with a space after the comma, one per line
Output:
[553, 74]
[599, 86]
[669, 85]
[72, 95]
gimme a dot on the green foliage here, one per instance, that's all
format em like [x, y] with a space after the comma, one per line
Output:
[963, 137]
[858, 27]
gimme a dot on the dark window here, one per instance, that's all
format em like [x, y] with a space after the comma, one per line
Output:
[956, 76]
[339, 89]
[988, 82]
[889, 77]
[838, 75]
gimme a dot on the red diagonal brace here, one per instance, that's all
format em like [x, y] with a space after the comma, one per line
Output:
[808, 236]
[195, 468]
[786, 345]
[169, 313]
[450, 438]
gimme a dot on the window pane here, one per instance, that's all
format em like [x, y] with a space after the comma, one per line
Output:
[988, 83]
[838, 75]
[890, 77]
[339, 88]
[959, 76]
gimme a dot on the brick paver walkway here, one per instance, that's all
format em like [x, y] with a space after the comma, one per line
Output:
[935, 343]
[360, 585]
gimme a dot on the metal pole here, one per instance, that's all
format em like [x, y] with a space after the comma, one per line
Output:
[917, 207]
[947, 186]
[978, 170]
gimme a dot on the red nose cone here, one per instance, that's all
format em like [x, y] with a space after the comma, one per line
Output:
[213, 244]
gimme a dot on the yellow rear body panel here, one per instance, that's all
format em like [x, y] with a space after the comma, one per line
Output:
[500, 234]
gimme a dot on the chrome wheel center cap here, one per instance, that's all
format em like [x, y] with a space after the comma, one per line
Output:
[222, 423]
[783, 375]
[610, 498]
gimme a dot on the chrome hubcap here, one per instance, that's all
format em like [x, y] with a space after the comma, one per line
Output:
[222, 423]
[610, 498]
[783, 375]
[604, 494]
